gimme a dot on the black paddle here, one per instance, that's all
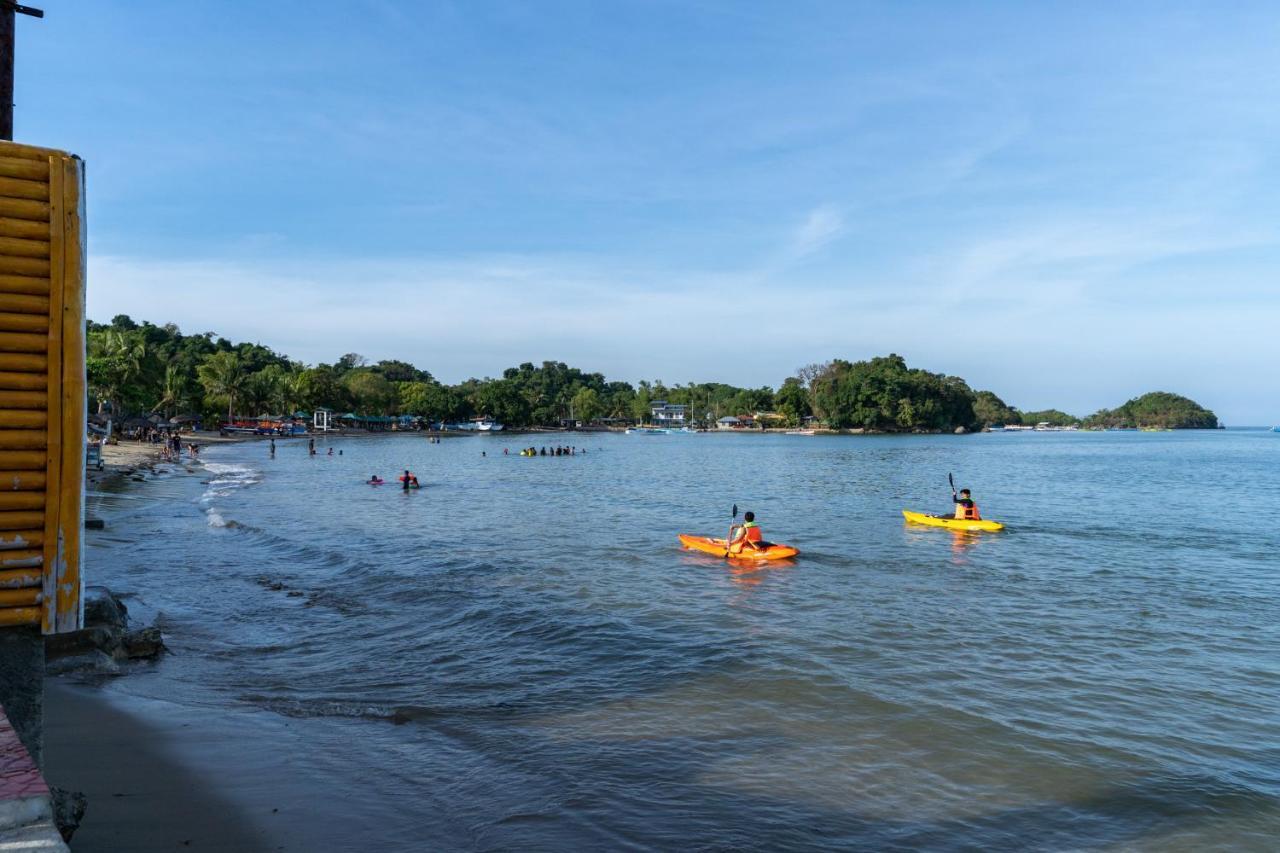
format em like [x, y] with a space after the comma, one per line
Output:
[952, 481]
[729, 538]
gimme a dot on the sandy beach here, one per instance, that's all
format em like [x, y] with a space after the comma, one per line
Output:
[141, 797]
[160, 775]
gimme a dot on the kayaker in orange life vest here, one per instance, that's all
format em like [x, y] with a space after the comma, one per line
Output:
[749, 534]
[966, 509]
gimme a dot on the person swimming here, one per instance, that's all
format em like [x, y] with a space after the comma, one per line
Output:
[375, 480]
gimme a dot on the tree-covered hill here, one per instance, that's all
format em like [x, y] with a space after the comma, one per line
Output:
[1158, 409]
[140, 368]
[884, 394]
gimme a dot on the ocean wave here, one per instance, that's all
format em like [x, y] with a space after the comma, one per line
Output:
[363, 710]
[227, 478]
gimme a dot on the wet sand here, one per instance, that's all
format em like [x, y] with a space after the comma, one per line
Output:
[141, 797]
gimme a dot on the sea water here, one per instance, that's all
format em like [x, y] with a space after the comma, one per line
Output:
[520, 656]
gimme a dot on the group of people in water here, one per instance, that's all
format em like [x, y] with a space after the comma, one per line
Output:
[555, 451]
[408, 480]
[171, 448]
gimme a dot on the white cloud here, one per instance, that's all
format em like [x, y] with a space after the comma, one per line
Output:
[823, 224]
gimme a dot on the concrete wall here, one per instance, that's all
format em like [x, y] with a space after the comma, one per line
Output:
[22, 685]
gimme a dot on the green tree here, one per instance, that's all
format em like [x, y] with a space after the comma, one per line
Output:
[223, 378]
[1155, 410]
[501, 399]
[884, 394]
[116, 363]
[321, 387]
[1053, 417]
[792, 400]
[586, 405]
[990, 410]
[175, 391]
[370, 391]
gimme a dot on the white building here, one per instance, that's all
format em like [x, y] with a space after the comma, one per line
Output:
[668, 414]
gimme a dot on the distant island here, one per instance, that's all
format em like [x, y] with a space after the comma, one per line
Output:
[1154, 410]
[144, 370]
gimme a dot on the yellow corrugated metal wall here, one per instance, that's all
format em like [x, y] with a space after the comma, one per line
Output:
[42, 387]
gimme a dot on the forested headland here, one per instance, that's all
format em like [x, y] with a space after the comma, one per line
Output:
[141, 368]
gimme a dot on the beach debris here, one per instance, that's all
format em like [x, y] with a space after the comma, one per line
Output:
[68, 810]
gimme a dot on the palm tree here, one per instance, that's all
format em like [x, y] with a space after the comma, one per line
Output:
[121, 361]
[173, 390]
[222, 375]
[291, 390]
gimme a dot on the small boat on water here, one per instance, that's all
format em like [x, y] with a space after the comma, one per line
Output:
[481, 424]
[647, 431]
[1275, 429]
[951, 523]
[801, 432]
[719, 548]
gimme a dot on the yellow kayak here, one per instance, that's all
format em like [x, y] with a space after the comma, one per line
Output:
[949, 522]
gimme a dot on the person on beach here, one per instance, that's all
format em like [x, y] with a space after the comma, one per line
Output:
[966, 509]
[748, 535]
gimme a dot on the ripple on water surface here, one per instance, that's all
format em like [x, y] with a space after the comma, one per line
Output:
[524, 645]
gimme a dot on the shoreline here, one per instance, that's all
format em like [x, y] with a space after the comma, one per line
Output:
[161, 775]
[141, 796]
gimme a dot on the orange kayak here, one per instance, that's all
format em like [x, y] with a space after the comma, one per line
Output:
[716, 547]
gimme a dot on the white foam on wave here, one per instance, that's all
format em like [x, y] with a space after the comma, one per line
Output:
[227, 478]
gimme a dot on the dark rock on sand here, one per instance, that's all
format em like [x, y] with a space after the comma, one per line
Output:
[104, 641]
[147, 643]
[68, 810]
[102, 638]
[101, 607]
[95, 662]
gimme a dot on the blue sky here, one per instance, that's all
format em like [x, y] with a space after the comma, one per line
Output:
[1067, 203]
